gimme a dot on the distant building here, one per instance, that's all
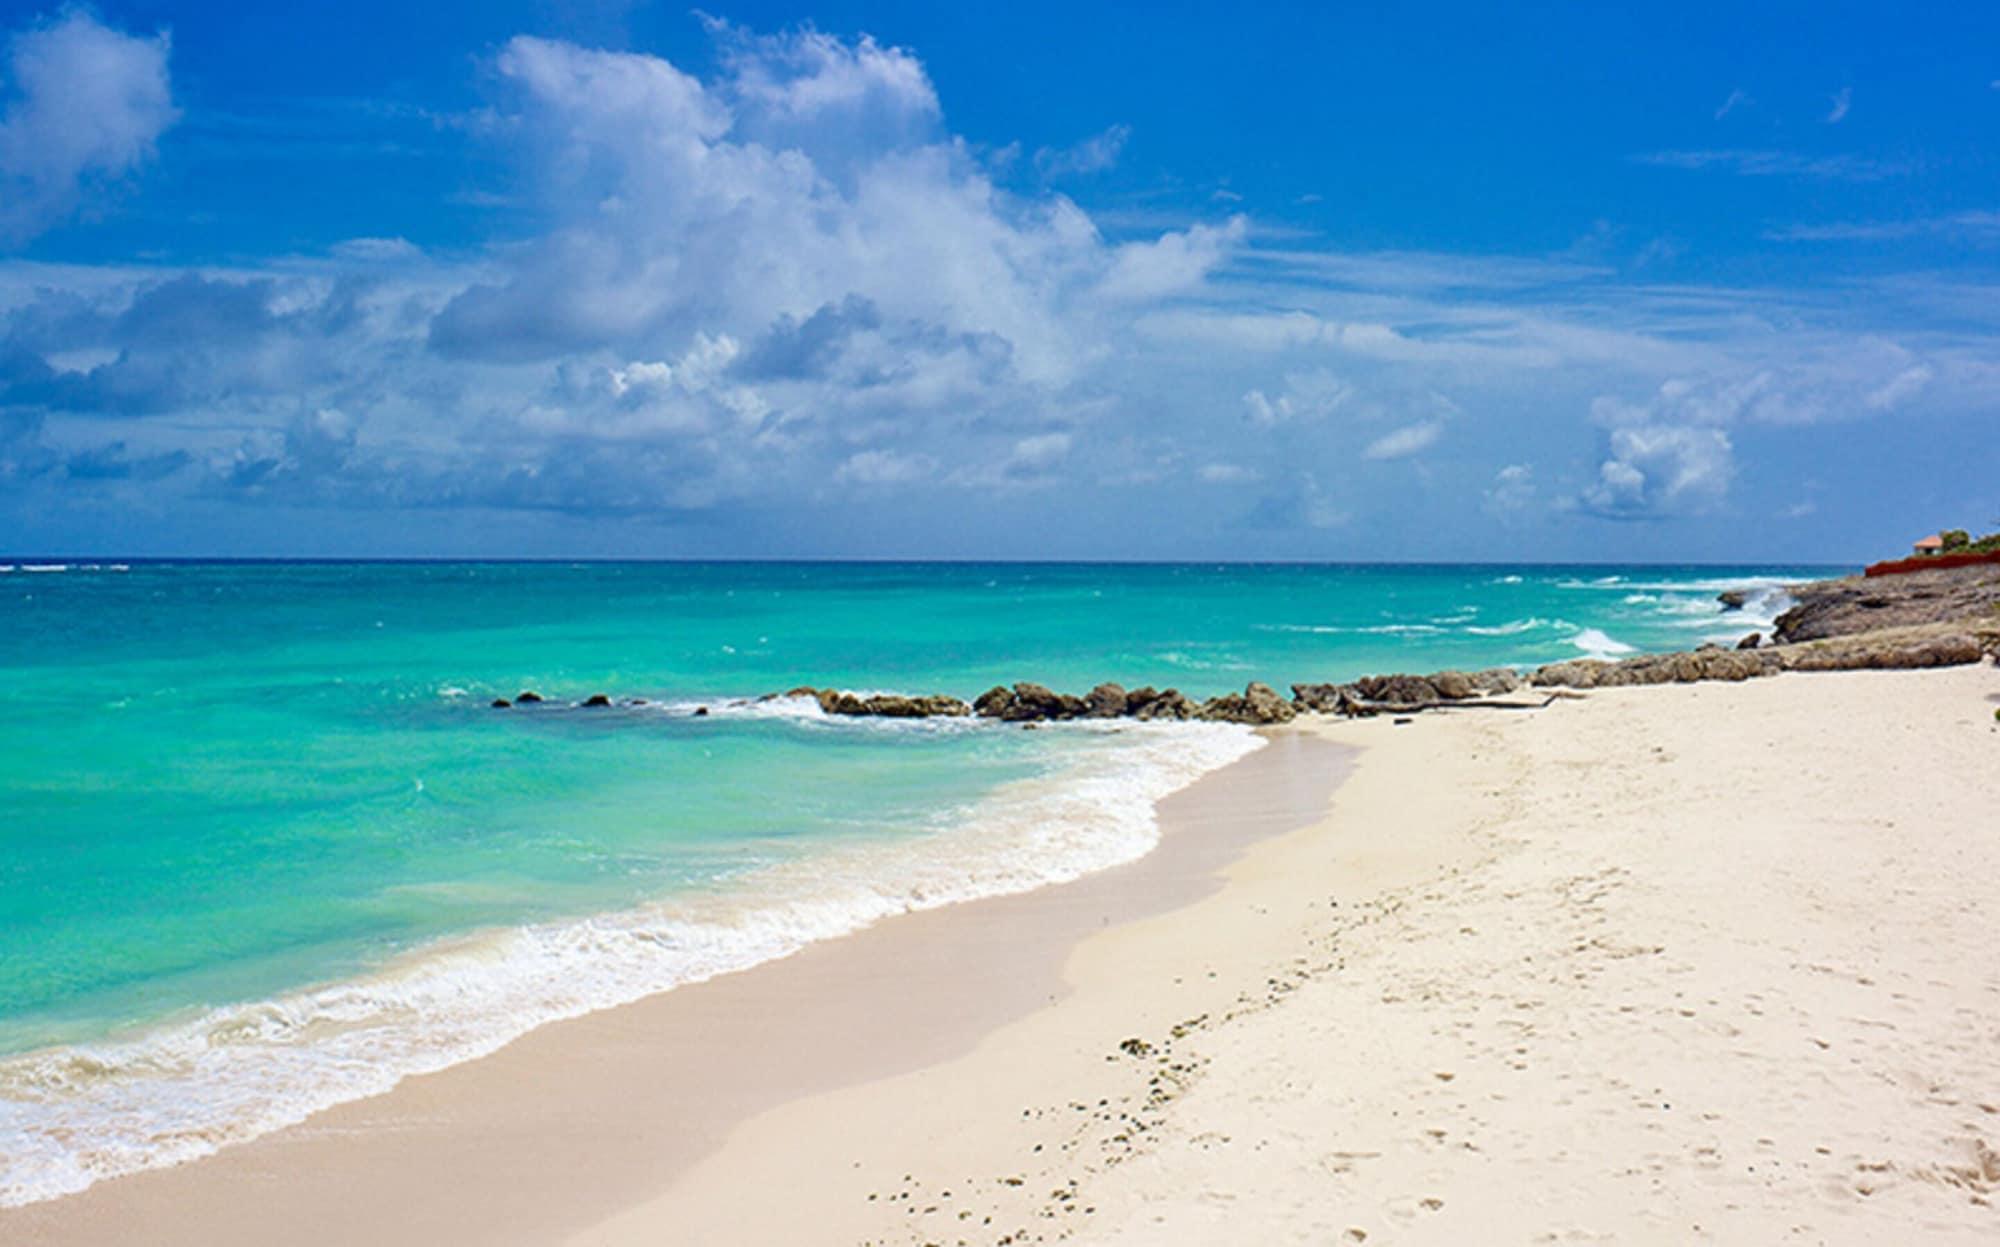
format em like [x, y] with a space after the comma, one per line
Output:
[1931, 544]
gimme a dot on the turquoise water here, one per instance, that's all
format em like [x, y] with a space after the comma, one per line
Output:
[265, 847]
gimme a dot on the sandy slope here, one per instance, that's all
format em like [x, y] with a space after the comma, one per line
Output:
[1677, 964]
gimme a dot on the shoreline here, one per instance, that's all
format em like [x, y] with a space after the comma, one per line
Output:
[443, 1122]
[1702, 962]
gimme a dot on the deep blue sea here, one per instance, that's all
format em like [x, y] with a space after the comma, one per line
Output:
[264, 846]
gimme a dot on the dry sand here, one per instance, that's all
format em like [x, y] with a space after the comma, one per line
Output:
[1672, 964]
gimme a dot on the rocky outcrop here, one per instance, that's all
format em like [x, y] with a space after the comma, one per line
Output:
[1932, 646]
[1856, 604]
[1711, 664]
[1171, 704]
[1106, 701]
[1885, 651]
[1257, 704]
[1496, 680]
[1733, 599]
[1752, 641]
[890, 705]
[597, 701]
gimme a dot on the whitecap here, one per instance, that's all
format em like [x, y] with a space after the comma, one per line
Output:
[1599, 644]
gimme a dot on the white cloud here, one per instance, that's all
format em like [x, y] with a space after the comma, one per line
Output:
[1843, 168]
[1172, 263]
[1843, 99]
[1972, 226]
[1406, 441]
[1306, 395]
[1736, 99]
[1227, 474]
[1513, 488]
[89, 102]
[1093, 155]
[1900, 388]
[884, 467]
[1653, 470]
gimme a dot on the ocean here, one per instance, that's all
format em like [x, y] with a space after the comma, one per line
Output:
[265, 847]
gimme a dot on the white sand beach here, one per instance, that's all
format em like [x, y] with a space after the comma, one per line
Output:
[1689, 963]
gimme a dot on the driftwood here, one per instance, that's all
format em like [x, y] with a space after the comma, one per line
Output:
[1358, 709]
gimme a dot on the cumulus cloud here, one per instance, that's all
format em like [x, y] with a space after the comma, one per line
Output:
[810, 174]
[85, 105]
[1656, 470]
[781, 286]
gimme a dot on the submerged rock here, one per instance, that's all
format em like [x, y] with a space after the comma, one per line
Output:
[527, 697]
[501, 703]
[597, 701]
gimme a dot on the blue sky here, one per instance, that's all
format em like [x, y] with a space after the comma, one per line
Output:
[618, 279]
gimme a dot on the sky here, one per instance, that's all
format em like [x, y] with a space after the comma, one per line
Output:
[563, 278]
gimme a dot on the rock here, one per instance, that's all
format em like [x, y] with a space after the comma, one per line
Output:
[1106, 701]
[597, 701]
[1751, 641]
[1733, 599]
[701, 712]
[837, 701]
[1324, 698]
[993, 703]
[501, 703]
[890, 705]
[803, 690]
[1496, 680]
[1138, 699]
[938, 705]
[1453, 685]
[528, 697]
[1884, 653]
[1170, 704]
[1256, 704]
[1707, 664]
[1574, 673]
[1036, 701]
[1831, 608]
[1398, 690]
